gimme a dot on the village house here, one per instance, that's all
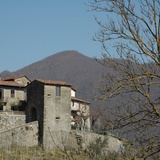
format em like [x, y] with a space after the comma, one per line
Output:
[80, 112]
[48, 102]
[13, 97]
[54, 105]
[13, 93]
[53, 117]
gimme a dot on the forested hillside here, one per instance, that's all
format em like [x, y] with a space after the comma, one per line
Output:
[82, 72]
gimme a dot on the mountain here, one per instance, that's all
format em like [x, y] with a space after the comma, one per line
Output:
[5, 74]
[85, 75]
[82, 72]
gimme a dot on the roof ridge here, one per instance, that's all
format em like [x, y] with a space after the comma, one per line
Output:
[55, 82]
[10, 83]
[13, 77]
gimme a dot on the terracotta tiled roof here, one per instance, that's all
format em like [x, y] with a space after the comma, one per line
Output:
[53, 82]
[9, 83]
[13, 78]
[79, 100]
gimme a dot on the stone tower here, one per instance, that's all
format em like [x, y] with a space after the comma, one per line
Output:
[49, 102]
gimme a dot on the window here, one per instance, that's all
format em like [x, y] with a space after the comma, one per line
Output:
[58, 90]
[74, 113]
[1, 108]
[1, 93]
[57, 118]
[14, 108]
[12, 93]
[48, 95]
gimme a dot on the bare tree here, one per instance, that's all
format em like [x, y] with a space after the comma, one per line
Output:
[99, 121]
[130, 31]
[82, 116]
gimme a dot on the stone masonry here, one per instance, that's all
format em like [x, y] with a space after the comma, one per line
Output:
[11, 121]
[51, 110]
[23, 135]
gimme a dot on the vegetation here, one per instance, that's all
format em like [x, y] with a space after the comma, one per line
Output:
[35, 153]
[130, 31]
[23, 153]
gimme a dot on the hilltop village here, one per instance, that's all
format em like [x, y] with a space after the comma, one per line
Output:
[44, 113]
[18, 94]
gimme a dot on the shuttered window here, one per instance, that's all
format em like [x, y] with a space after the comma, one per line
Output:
[58, 90]
[12, 93]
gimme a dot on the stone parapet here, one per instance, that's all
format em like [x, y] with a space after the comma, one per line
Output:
[24, 135]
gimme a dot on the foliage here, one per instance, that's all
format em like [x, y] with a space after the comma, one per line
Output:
[130, 30]
[95, 148]
[98, 150]
[95, 151]
[23, 153]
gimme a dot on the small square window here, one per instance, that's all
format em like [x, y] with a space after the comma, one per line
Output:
[57, 118]
[1, 108]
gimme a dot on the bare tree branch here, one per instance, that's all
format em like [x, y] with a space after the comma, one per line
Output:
[131, 30]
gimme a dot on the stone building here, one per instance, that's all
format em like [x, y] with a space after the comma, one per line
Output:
[80, 112]
[13, 93]
[49, 103]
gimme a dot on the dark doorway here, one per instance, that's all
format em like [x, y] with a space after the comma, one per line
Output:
[33, 114]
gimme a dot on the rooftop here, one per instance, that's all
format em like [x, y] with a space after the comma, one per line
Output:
[13, 78]
[79, 100]
[53, 82]
[9, 83]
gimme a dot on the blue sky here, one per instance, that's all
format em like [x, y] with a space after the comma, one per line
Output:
[31, 30]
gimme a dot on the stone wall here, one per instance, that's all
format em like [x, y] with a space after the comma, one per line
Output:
[80, 140]
[11, 121]
[15, 132]
[23, 135]
[113, 144]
